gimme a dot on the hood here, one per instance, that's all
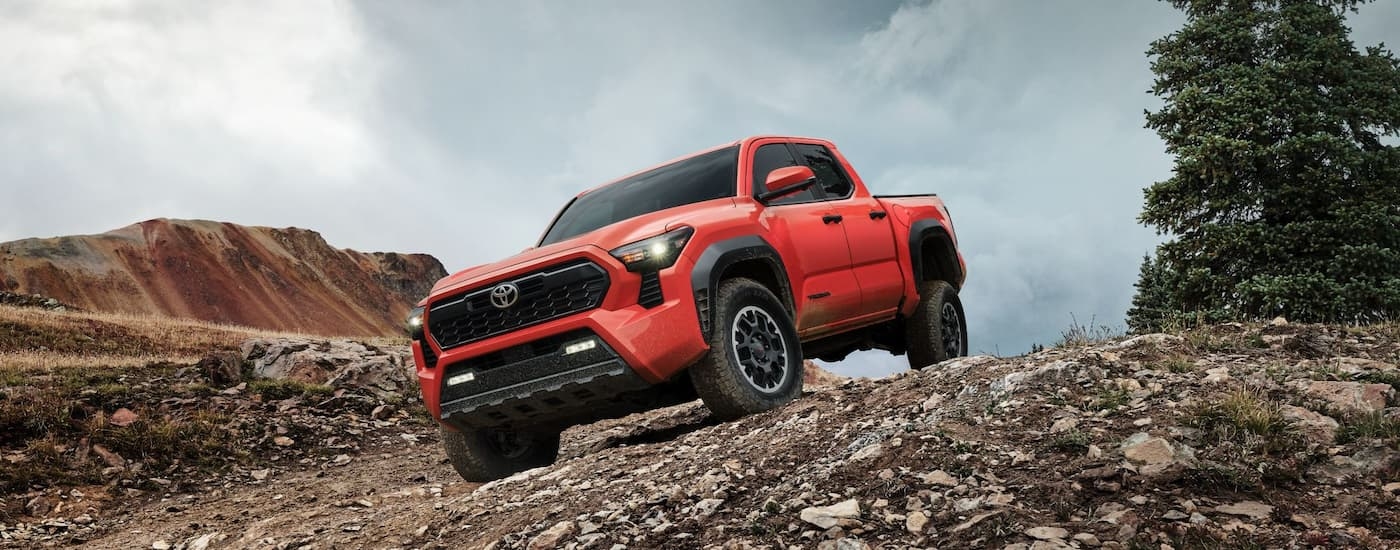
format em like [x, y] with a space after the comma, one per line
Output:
[604, 238]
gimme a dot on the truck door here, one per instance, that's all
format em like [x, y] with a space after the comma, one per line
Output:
[823, 286]
[867, 229]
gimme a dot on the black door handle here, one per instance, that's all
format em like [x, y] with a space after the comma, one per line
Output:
[832, 218]
[877, 214]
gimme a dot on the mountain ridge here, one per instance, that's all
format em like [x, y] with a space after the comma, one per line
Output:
[286, 279]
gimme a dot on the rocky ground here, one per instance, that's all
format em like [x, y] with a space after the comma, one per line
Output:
[1234, 436]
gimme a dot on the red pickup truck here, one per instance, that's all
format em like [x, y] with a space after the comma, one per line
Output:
[712, 275]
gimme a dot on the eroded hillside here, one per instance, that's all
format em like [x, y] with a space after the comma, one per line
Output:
[278, 279]
[1228, 437]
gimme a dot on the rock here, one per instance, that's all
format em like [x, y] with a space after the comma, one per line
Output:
[707, 507]
[112, 459]
[1047, 533]
[939, 477]
[974, 520]
[221, 370]
[1143, 449]
[916, 522]
[260, 474]
[1353, 396]
[1094, 452]
[1248, 508]
[869, 451]
[1064, 425]
[382, 412]
[1175, 515]
[1197, 518]
[1278, 322]
[552, 537]
[1153, 339]
[827, 517]
[38, 506]
[123, 417]
[1316, 427]
[1391, 487]
[202, 542]
[336, 363]
[843, 543]
[1087, 539]
[1217, 375]
[160, 545]
[283, 441]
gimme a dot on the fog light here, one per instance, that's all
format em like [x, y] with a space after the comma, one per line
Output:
[580, 346]
[461, 378]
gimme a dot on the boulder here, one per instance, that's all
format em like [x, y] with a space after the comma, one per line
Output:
[337, 363]
[826, 517]
[1351, 396]
[1317, 428]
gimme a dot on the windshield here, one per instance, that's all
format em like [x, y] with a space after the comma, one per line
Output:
[698, 178]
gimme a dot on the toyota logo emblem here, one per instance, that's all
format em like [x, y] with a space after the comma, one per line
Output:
[505, 295]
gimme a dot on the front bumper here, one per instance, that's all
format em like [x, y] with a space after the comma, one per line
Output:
[525, 378]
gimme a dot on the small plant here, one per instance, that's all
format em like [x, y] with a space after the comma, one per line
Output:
[274, 389]
[1374, 425]
[1246, 418]
[1085, 334]
[1073, 442]
[1109, 398]
[1391, 377]
[1176, 365]
[11, 377]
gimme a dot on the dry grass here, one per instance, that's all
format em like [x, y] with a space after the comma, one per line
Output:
[38, 360]
[33, 338]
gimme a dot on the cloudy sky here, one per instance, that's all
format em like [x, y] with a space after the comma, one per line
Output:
[457, 128]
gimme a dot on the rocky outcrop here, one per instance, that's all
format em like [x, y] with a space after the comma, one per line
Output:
[382, 371]
[281, 279]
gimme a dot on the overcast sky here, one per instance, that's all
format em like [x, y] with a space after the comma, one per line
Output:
[457, 129]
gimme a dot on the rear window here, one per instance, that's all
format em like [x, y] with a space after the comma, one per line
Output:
[696, 179]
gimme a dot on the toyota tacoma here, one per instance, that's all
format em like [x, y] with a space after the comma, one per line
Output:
[713, 275]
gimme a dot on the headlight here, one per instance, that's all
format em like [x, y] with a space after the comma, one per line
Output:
[414, 324]
[656, 253]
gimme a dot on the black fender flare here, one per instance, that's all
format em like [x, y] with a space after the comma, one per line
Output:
[718, 257]
[920, 232]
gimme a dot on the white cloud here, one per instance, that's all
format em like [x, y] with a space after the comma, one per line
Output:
[165, 94]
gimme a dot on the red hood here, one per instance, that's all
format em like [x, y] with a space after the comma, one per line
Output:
[605, 239]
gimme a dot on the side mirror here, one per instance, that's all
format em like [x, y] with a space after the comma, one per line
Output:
[786, 181]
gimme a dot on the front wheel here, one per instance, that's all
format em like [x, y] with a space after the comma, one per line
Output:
[755, 361]
[487, 454]
[937, 331]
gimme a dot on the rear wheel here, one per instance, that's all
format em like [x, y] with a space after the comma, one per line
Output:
[487, 454]
[755, 361]
[937, 331]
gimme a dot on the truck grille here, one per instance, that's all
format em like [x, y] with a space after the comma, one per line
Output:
[543, 295]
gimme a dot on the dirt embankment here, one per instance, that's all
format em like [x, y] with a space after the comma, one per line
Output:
[1228, 437]
[279, 279]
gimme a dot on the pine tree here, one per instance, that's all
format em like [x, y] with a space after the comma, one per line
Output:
[1151, 309]
[1284, 199]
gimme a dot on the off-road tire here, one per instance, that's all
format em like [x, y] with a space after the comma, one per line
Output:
[477, 455]
[724, 381]
[930, 336]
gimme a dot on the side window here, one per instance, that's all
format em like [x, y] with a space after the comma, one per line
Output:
[829, 174]
[772, 157]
